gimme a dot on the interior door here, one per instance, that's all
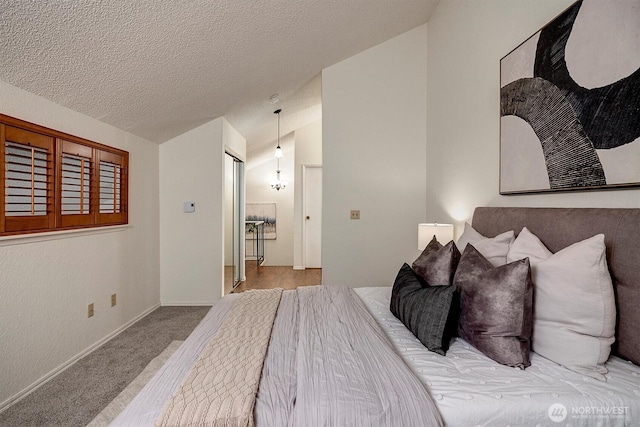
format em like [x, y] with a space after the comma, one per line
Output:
[312, 199]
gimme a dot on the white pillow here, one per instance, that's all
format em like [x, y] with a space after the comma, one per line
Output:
[574, 314]
[528, 245]
[494, 249]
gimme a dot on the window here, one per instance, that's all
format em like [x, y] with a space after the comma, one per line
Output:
[53, 181]
[76, 162]
[27, 197]
[112, 170]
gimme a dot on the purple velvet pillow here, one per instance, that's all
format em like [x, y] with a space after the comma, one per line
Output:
[437, 264]
[496, 307]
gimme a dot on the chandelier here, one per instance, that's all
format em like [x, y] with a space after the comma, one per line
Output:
[278, 183]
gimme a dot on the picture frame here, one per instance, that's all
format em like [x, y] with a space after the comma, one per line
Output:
[570, 103]
[262, 212]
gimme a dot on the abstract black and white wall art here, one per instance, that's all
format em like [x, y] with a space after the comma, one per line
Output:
[570, 102]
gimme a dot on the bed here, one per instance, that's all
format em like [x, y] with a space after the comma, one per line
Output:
[338, 356]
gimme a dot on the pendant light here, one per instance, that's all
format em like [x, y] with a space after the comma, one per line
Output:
[278, 183]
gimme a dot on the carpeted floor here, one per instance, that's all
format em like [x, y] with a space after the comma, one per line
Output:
[125, 397]
[77, 395]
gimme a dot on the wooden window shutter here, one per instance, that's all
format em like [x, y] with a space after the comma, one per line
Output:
[27, 180]
[50, 180]
[75, 190]
[112, 187]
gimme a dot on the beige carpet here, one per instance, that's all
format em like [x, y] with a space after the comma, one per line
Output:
[118, 404]
[75, 396]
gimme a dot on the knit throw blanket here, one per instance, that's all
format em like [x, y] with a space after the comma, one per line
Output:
[221, 388]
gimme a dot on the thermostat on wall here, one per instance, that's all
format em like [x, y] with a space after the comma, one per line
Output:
[189, 207]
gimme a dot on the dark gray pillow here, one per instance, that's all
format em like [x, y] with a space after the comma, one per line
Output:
[496, 307]
[425, 310]
[437, 264]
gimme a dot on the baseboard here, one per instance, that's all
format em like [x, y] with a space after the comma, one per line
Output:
[187, 304]
[57, 371]
[298, 267]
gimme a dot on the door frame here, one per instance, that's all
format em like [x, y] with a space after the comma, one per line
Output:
[238, 235]
[306, 166]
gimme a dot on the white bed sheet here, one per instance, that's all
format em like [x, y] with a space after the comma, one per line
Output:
[473, 390]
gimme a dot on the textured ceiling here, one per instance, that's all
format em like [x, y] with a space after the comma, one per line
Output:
[158, 68]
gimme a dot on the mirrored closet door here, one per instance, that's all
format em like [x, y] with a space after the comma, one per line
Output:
[234, 222]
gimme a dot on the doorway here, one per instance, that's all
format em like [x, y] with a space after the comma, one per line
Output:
[234, 222]
[312, 215]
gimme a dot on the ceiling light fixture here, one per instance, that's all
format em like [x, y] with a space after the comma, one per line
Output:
[278, 183]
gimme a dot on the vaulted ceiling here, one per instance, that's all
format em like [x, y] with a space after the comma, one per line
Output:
[157, 68]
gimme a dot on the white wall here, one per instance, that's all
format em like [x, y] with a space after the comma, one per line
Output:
[233, 142]
[192, 244]
[260, 171]
[466, 40]
[374, 160]
[45, 286]
[308, 140]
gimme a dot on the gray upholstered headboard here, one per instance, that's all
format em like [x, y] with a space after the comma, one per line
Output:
[561, 227]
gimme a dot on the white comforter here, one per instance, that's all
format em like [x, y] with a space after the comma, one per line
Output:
[472, 390]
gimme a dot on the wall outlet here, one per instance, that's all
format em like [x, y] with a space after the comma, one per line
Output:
[355, 214]
[113, 300]
[90, 310]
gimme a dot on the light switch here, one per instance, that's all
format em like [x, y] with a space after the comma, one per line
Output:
[189, 207]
